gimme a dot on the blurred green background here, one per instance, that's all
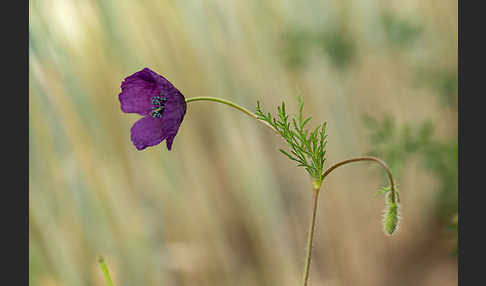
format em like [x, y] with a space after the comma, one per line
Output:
[224, 207]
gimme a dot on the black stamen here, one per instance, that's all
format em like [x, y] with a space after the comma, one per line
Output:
[158, 106]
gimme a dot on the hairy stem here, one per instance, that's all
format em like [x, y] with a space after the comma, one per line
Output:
[310, 237]
[104, 268]
[374, 159]
[234, 105]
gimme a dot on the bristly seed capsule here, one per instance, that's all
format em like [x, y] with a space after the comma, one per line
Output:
[391, 218]
[158, 106]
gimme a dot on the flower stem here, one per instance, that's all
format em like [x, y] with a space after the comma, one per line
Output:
[316, 189]
[374, 159]
[310, 237]
[234, 105]
[104, 268]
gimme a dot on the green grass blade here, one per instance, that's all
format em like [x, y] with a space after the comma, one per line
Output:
[104, 268]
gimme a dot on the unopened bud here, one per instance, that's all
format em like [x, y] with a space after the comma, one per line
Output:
[391, 218]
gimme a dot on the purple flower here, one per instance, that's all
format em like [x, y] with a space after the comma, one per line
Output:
[162, 105]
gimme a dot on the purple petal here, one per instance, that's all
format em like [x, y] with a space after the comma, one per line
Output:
[136, 96]
[170, 128]
[147, 131]
[175, 109]
[137, 92]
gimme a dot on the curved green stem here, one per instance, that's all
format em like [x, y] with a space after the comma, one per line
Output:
[369, 158]
[234, 105]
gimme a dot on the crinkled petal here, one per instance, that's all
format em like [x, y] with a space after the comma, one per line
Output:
[147, 131]
[175, 109]
[137, 92]
[170, 128]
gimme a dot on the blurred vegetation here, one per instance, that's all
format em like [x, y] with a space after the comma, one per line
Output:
[335, 44]
[444, 82]
[402, 33]
[224, 207]
[339, 47]
[398, 144]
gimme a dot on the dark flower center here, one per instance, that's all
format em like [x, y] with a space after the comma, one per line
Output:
[158, 106]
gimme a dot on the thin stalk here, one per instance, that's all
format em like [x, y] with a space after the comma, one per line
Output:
[234, 105]
[369, 158]
[104, 268]
[310, 237]
[316, 190]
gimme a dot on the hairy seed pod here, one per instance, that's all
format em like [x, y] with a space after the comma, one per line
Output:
[390, 221]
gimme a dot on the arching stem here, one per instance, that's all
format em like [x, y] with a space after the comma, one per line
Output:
[369, 158]
[316, 190]
[234, 105]
[316, 187]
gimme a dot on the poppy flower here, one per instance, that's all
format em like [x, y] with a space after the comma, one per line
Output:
[162, 105]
